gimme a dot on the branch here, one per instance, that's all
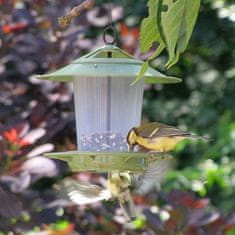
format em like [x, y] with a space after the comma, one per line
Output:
[76, 11]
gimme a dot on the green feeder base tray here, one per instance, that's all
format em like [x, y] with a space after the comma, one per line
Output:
[107, 161]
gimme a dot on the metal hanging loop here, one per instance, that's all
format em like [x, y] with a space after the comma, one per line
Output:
[110, 30]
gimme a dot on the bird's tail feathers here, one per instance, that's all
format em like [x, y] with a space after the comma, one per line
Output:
[203, 138]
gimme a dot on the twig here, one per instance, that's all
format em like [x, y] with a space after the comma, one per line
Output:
[76, 11]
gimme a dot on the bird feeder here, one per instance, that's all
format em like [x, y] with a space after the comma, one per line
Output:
[106, 107]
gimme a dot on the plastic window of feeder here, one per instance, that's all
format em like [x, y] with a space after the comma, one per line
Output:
[106, 108]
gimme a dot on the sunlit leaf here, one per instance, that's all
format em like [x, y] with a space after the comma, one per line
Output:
[170, 24]
[149, 27]
[141, 73]
[177, 26]
[139, 223]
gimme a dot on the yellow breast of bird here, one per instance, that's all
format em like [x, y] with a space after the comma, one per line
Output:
[113, 188]
[160, 144]
[117, 185]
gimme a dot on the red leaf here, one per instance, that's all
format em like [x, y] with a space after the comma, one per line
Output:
[140, 200]
[171, 225]
[135, 32]
[14, 27]
[200, 204]
[11, 135]
[187, 199]
[192, 230]
[123, 29]
[129, 37]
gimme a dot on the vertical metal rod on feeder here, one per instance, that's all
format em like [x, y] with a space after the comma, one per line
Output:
[109, 55]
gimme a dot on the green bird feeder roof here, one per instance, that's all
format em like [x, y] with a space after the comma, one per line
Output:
[108, 60]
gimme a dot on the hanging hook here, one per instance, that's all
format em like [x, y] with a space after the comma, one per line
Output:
[110, 28]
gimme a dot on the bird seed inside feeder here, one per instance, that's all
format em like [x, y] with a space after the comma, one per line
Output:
[104, 142]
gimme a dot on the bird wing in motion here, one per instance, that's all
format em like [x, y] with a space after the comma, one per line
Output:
[152, 176]
[83, 193]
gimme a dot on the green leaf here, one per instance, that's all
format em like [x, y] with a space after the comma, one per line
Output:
[149, 27]
[188, 23]
[139, 223]
[143, 69]
[60, 225]
[177, 25]
[157, 52]
[186, 29]
[171, 21]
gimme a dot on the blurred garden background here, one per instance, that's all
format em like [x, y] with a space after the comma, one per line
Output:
[36, 116]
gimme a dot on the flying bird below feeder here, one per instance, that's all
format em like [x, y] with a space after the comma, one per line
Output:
[106, 106]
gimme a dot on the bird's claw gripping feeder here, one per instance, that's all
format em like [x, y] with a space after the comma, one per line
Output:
[106, 108]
